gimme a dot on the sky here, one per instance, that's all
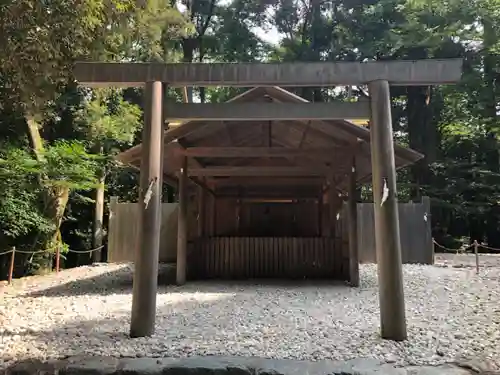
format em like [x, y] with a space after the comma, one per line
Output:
[270, 35]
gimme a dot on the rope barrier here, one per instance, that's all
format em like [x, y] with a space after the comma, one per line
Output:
[476, 245]
[463, 250]
[488, 247]
[459, 250]
[48, 250]
[58, 254]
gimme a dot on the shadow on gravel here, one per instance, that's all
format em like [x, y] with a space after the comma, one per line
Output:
[110, 335]
[120, 282]
[115, 282]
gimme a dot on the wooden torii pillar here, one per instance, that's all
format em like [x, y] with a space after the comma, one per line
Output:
[182, 225]
[145, 282]
[385, 201]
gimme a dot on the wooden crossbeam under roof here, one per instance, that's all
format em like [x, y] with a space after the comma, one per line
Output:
[407, 73]
[259, 152]
[251, 111]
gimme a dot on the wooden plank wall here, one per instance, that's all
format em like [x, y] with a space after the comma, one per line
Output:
[122, 232]
[267, 257]
[298, 219]
[415, 231]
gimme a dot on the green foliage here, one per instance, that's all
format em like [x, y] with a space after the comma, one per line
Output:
[107, 117]
[19, 213]
[68, 164]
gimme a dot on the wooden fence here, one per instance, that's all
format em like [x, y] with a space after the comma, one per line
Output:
[415, 231]
[268, 257]
[415, 227]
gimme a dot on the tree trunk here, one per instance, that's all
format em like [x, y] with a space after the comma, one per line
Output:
[55, 200]
[422, 135]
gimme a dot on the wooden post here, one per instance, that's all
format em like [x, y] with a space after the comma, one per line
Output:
[433, 251]
[96, 256]
[148, 246]
[332, 198]
[353, 227]
[476, 252]
[58, 258]
[238, 217]
[182, 225]
[214, 216]
[11, 266]
[387, 237]
[320, 213]
[201, 211]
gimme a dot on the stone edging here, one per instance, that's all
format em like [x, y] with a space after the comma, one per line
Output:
[90, 365]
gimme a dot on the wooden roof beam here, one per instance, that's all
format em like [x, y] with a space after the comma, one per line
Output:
[327, 153]
[317, 74]
[259, 171]
[258, 111]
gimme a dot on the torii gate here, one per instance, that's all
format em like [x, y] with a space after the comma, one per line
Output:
[377, 75]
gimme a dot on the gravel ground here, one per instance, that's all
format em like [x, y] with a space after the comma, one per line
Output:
[451, 313]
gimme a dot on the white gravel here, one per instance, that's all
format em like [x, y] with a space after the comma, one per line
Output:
[451, 313]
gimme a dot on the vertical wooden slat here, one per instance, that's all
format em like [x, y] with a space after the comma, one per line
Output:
[214, 251]
[311, 256]
[200, 260]
[237, 256]
[275, 255]
[209, 251]
[218, 255]
[265, 255]
[269, 255]
[217, 250]
[249, 257]
[331, 255]
[293, 258]
[229, 251]
[263, 259]
[319, 257]
[244, 258]
[222, 264]
[204, 260]
[241, 258]
[339, 257]
[283, 258]
[254, 258]
[316, 255]
[303, 255]
[209, 260]
[278, 258]
[289, 253]
[298, 258]
[326, 255]
[251, 262]
[258, 257]
[231, 248]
